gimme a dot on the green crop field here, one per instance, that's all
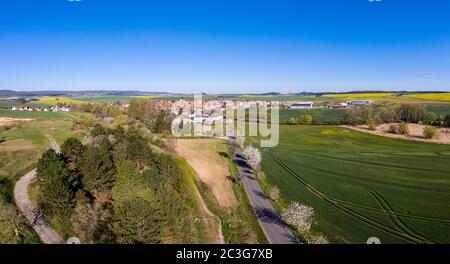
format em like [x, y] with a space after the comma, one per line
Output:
[36, 115]
[362, 185]
[439, 109]
[318, 115]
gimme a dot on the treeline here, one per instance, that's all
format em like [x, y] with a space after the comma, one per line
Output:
[114, 189]
[100, 110]
[386, 113]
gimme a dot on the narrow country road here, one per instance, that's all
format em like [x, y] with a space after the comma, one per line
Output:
[274, 228]
[31, 214]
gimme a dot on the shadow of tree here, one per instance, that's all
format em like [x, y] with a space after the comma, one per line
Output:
[269, 216]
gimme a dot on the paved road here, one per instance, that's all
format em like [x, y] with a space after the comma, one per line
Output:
[32, 215]
[274, 228]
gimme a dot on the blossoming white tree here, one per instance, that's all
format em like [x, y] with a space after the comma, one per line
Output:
[253, 156]
[299, 216]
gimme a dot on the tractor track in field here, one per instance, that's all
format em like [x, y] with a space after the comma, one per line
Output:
[333, 202]
[380, 211]
[374, 163]
[404, 186]
[394, 217]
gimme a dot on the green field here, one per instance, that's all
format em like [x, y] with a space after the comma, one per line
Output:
[36, 115]
[439, 109]
[364, 186]
[318, 115]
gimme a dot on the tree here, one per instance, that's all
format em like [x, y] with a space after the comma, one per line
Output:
[292, 121]
[55, 182]
[430, 132]
[137, 149]
[98, 130]
[298, 215]
[447, 120]
[137, 221]
[305, 119]
[71, 150]
[430, 117]
[97, 169]
[411, 113]
[128, 182]
[253, 156]
[88, 218]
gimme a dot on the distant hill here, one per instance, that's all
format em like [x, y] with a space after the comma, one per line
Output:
[10, 93]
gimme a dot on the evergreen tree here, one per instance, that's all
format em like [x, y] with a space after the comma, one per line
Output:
[97, 169]
[98, 130]
[71, 150]
[137, 221]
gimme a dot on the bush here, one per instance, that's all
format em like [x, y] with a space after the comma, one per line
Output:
[305, 119]
[292, 121]
[430, 132]
[403, 129]
[393, 129]
[371, 125]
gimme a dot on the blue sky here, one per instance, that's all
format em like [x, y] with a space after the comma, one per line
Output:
[225, 46]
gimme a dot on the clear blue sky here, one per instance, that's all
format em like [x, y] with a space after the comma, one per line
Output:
[225, 46]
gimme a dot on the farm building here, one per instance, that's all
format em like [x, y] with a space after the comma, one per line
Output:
[302, 105]
[360, 102]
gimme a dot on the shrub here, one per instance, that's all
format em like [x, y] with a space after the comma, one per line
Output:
[403, 129]
[430, 132]
[371, 125]
[292, 121]
[305, 119]
[393, 129]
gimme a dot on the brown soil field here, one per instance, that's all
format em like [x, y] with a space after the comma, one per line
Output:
[204, 157]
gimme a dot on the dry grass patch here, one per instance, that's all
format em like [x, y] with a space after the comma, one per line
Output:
[213, 170]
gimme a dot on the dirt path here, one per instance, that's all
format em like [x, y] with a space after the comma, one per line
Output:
[415, 133]
[32, 215]
[211, 220]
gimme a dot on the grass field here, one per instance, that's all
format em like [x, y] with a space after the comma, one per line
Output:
[362, 185]
[439, 109]
[36, 115]
[318, 115]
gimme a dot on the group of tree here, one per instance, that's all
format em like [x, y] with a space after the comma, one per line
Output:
[389, 113]
[156, 119]
[112, 189]
[100, 110]
[303, 119]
